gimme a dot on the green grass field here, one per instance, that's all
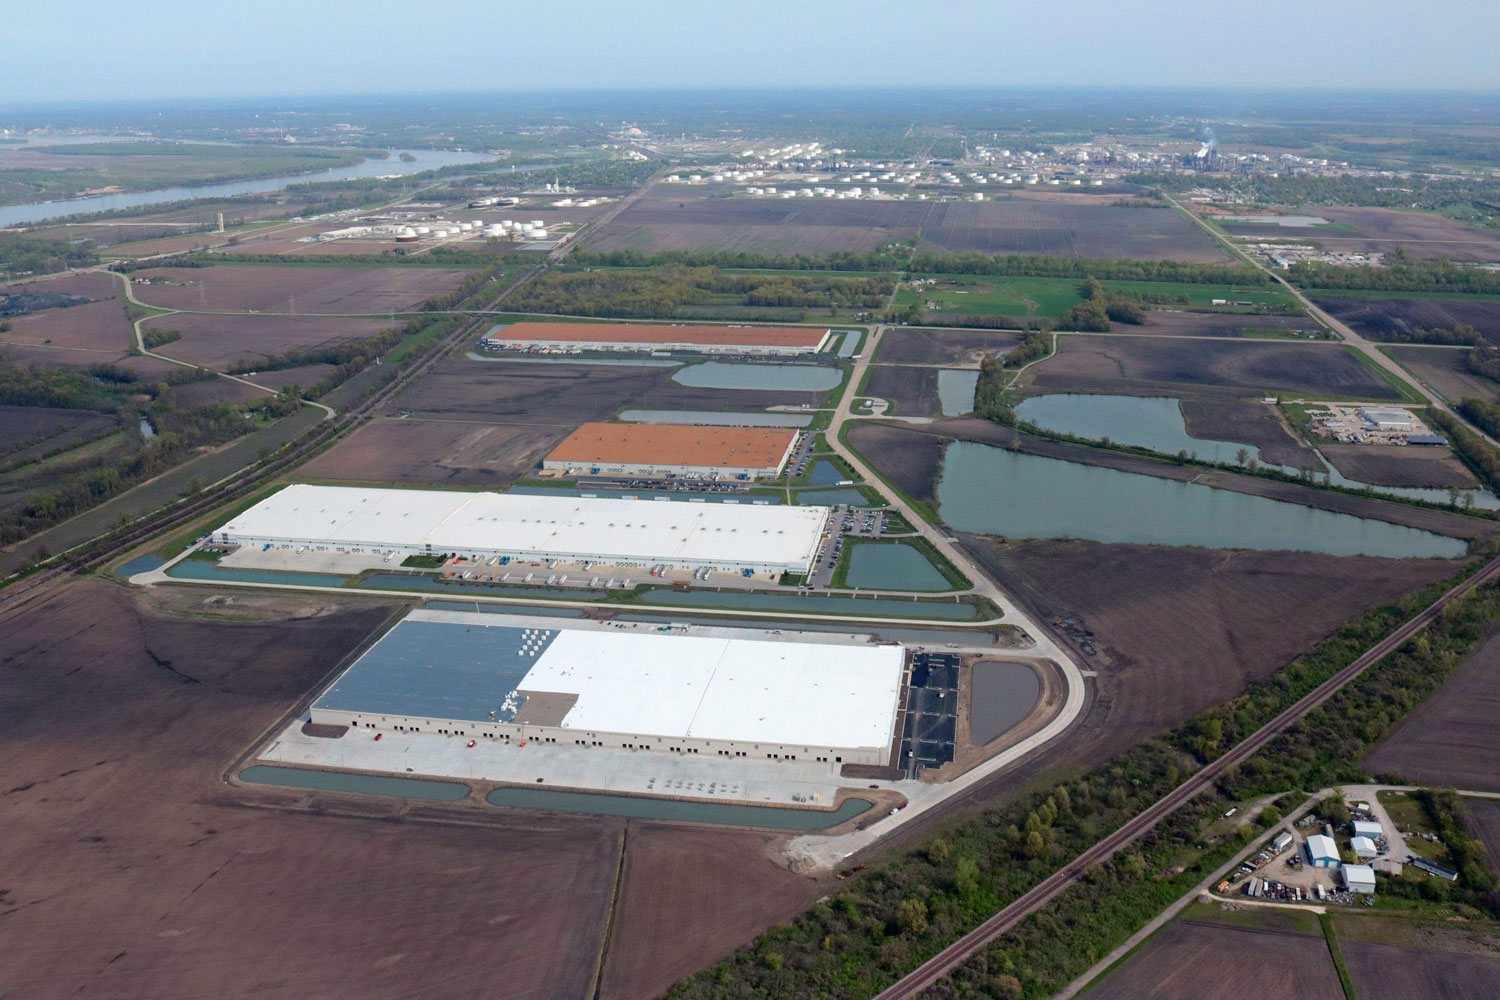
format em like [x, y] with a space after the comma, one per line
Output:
[1052, 297]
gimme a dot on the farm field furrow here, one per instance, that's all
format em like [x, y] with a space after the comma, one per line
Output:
[294, 288]
[1453, 738]
[221, 341]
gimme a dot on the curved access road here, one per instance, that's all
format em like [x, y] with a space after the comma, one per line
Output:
[951, 957]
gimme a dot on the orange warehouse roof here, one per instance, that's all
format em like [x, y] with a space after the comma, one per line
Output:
[657, 333]
[676, 444]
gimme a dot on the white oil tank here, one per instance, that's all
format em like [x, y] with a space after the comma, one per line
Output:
[539, 234]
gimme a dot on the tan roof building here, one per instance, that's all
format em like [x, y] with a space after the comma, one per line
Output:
[658, 337]
[674, 450]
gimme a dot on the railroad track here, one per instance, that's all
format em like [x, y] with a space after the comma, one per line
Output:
[951, 957]
[102, 549]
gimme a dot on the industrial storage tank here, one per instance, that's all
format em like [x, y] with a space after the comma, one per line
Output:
[494, 230]
[538, 223]
[424, 230]
[539, 234]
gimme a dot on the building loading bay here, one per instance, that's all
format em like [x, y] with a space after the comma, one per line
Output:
[930, 723]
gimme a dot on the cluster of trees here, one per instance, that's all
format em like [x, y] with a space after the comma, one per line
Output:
[1482, 414]
[660, 291]
[889, 258]
[992, 396]
[1039, 266]
[1484, 358]
[30, 255]
[71, 487]
[910, 905]
[159, 338]
[1402, 273]
[600, 173]
[1034, 345]
[1458, 336]
[1100, 306]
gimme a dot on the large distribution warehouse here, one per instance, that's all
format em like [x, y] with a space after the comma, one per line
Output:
[639, 337]
[485, 676]
[674, 450]
[722, 537]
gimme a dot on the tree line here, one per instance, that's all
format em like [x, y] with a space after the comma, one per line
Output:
[1402, 273]
[659, 291]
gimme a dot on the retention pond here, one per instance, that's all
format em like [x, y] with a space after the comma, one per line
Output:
[786, 378]
[1002, 693]
[994, 491]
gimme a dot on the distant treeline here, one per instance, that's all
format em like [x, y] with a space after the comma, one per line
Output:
[600, 173]
[1105, 269]
[660, 291]
[1472, 449]
[27, 254]
[1415, 191]
[884, 259]
[1459, 336]
[1401, 274]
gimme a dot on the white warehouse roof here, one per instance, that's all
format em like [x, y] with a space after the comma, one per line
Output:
[602, 530]
[1366, 828]
[747, 690]
[1322, 846]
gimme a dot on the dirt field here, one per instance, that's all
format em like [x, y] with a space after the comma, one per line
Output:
[436, 451]
[117, 725]
[1484, 825]
[1251, 423]
[1380, 319]
[296, 289]
[87, 334]
[1421, 234]
[303, 375]
[674, 218]
[1446, 369]
[116, 728]
[1179, 630]
[1188, 960]
[219, 390]
[1454, 736]
[1383, 465]
[1168, 323]
[33, 430]
[675, 885]
[560, 394]
[220, 341]
[1148, 366]
[913, 392]
[1391, 972]
[943, 348]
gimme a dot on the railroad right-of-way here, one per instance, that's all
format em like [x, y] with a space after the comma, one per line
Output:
[951, 957]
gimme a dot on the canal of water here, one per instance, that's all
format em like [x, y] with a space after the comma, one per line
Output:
[367, 784]
[793, 604]
[636, 807]
[717, 419]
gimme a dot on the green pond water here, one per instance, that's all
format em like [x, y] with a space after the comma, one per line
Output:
[830, 498]
[956, 391]
[718, 418]
[792, 604]
[996, 491]
[195, 569]
[825, 474]
[367, 784]
[728, 375]
[140, 564]
[892, 567]
[417, 581]
[690, 812]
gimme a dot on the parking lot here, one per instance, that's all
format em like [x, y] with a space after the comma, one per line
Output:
[930, 723]
[843, 521]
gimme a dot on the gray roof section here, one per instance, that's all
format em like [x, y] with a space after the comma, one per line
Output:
[436, 670]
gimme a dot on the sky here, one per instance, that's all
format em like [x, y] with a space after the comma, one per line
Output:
[89, 50]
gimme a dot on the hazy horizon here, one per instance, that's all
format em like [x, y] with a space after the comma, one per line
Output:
[175, 50]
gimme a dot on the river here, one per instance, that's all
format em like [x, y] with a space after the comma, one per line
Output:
[423, 159]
